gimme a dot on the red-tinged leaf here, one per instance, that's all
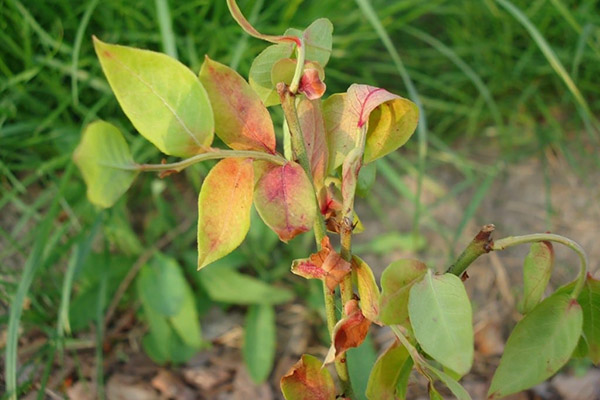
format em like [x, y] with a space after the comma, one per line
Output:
[308, 381]
[396, 281]
[236, 13]
[285, 200]
[326, 264]
[330, 205]
[368, 291]
[310, 115]
[389, 128]
[311, 84]
[241, 119]
[349, 332]
[284, 69]
[537, 269]
[350, 169]
[224, 208]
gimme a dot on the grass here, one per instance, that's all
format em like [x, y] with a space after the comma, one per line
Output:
[492, 70]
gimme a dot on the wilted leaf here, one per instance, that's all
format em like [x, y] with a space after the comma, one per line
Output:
[389, 127]
[368, 291]
[260, 72]
[224, 208]
[539, 345]
[441, 317]
[327, 265]
[349, 332]
[163, 99]
[102, 157]
[241, 120]
[232, 287]
[396, 281]
[386, 372]
[308, 381]
[285, 200]
[259, 341]
[537, 270]
[310, 115]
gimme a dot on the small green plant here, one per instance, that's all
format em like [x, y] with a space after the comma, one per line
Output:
[312, 186]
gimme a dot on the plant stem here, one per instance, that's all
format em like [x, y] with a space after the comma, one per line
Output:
[482, 243]
[301, 53]
[211, 154]
[510, 241]
[299, 149]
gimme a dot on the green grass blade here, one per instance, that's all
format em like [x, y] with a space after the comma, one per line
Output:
[35, 259]
[77, 48]
[371, 16]
[552, 59]
[166, 29]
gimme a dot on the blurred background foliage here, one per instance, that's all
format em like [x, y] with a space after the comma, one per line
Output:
[521, 76]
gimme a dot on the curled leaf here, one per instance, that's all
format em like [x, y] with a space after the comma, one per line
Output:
[311, 84]
[224, 208]
[310, 115]
[368, 291]
[537, 269]
[349, 332]
[306, 380]
[162, 98]
[241, 120]
[285, 200]
[327, 265]
[103, 157]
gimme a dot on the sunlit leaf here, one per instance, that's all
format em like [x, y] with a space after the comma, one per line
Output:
[241, 120]
[540, 344]
[349, 331]
[224, 208]
[396, 281]
[285, 200]
[368, 291]
[537, 270]
[386, 372]
[103, 157]
[441, 317]
[260, 72]
[310, 115]
[259, 341]
[162, 98]
[306, 380]
[389, 127]
[327, 265]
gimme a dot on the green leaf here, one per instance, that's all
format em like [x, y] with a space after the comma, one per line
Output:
[366, 179]
[260, 72]
[186, 322]
[360, 363]
[391, 121]
[163, 99]
[229, 286]
[590, 304]
[318, 39]
[162, 285]
[368, 291]
[259, 341]
[307, 380]
[224, 208]
[285, 200]
[241, 120]
[540, 344]
[386, 373]
[537, 269]
[396, 281]
[103, 157]
[441, 317]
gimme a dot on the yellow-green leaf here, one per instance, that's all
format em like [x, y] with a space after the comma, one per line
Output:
[396, 281]
[224, 208]
[285, 200]
[368, 291]
[260, 72]
[537, 269]
[386, 373]
[104, 159]
[162, 98]
[540, 344]
[318, 39]
[441, 317]
[308, 381]
[241, 119]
